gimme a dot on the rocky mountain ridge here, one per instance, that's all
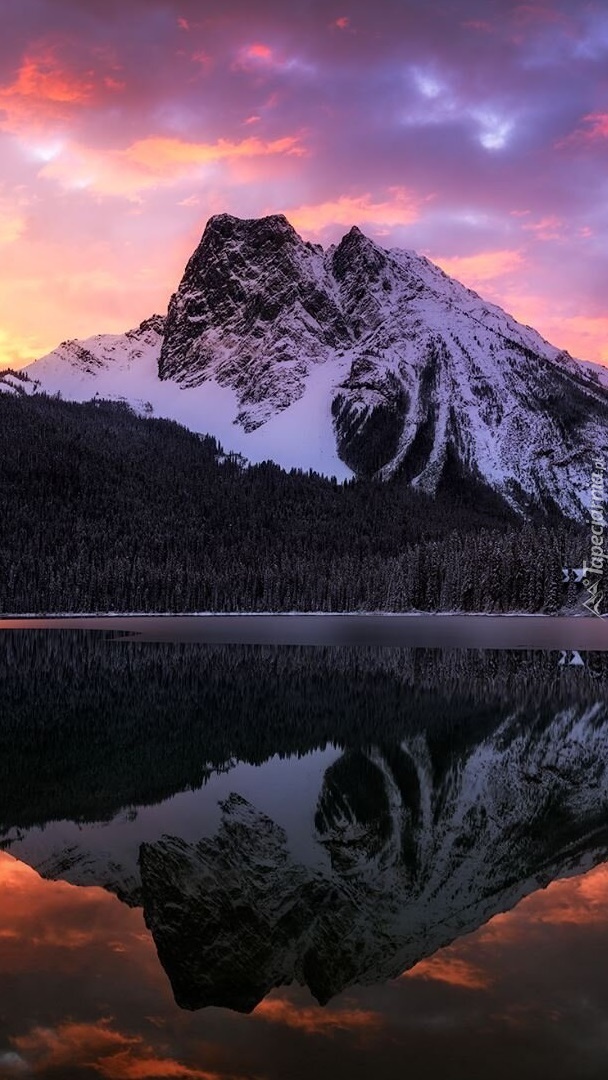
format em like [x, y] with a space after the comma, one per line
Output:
[354, 360]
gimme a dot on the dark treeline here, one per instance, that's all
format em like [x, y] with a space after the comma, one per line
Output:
[89, 725]
[100, 510]
[103, 511]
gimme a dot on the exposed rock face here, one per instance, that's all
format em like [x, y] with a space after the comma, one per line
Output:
[405, 370]
[254, 310]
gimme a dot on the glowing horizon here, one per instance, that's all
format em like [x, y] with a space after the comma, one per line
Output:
[477, 138]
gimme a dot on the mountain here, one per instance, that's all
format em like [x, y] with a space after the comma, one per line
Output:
[354, 360]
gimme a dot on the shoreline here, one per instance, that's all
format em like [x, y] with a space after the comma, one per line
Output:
[48, 616]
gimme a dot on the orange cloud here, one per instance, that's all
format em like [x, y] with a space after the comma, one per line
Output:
[124, 1066]
[98, 1046]
[450, 969]
[13, 874]
[577, 901]
[42, 77]
[341, 24]
[315, 1021]
[400, 209]
[54, 1048]
[164, 156]
[473, 270]
[155, 161]
[43, 925]
[580, 900]
[46, 89]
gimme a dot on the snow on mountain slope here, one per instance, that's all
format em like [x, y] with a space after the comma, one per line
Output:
[16, 382]
[354, 360]
[125, 368]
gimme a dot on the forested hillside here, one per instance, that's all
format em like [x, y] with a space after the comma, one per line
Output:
[103, 511]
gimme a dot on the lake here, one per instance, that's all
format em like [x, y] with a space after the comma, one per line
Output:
[256, 846]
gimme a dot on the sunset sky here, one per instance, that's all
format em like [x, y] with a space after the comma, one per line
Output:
[474, 131]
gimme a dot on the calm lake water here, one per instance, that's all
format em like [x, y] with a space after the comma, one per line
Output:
[228, 850]
[432, 631]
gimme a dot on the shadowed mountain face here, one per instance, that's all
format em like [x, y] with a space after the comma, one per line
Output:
[428, 380]
[360, 808]
[381, 363]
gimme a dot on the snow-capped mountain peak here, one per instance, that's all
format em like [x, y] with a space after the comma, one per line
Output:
[354, 360]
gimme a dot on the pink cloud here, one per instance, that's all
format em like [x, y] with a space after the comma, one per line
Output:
[548, 228]
[598, 126]
[154, 161]
[475, 270]
[255, 57]
[42, 77]
[167, 156]
[596, 130]
[204, 60]
[400, 208]
[583, 335]
[258, 52]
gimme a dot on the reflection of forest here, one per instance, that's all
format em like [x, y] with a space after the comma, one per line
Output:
[90, 725]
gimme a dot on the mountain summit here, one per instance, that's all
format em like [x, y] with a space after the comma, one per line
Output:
[353, 360]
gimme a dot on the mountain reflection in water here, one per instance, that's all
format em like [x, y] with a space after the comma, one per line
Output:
[299, 825]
